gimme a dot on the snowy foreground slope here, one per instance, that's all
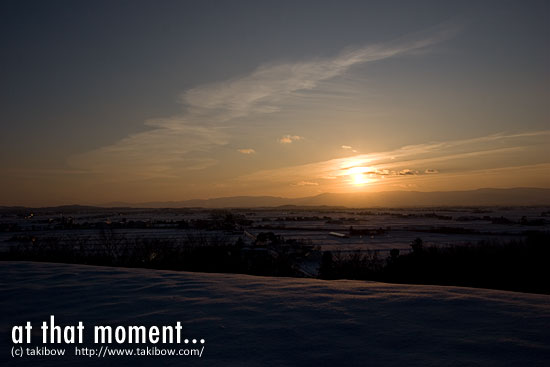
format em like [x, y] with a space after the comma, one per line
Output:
[257, 321]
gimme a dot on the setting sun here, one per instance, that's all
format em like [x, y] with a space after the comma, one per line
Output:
[359, 179]
[359, 175]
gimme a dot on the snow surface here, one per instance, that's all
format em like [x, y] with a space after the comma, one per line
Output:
[260, 321]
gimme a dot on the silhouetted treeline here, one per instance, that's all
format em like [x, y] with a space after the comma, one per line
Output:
[518, 265]
[192, 253]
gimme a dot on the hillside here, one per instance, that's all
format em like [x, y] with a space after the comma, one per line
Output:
[479, 197]
[254, 321]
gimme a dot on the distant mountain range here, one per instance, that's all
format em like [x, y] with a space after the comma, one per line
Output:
[479, 197]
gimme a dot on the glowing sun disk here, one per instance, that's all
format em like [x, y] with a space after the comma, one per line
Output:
[359, 179]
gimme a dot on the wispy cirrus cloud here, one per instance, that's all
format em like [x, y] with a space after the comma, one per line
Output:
[348, 147]
[186, 142]
[490, 153]
[306, 183]
[288, 139]
[246, 151]
[259, 91]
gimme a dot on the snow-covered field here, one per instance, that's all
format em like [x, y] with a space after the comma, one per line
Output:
[257, 321]
[313, 226]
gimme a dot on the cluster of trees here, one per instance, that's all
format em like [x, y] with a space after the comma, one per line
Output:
[518, 265]
[189, 253]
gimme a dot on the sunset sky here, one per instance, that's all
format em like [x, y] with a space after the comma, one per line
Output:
[137, 101]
